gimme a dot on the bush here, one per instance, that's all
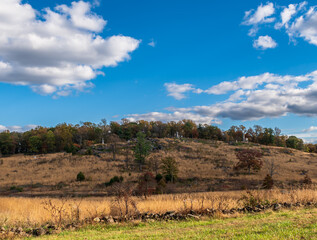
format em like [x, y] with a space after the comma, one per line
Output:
[161, 185]
[113, 180]
[73, 148]
[268, 182]
[252, 199]
[168, 178]
[307, 180]
[158, 177]
[16, 189]
[88, 152]
[80, 177]
[170, 169]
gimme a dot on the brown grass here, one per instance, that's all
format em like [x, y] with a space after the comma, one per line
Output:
[32, 212]
[204, 166]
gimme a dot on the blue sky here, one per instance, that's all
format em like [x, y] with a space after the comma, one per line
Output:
[225, 62]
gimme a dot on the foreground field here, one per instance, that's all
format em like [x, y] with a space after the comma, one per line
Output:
[32, 212]
[297, 224]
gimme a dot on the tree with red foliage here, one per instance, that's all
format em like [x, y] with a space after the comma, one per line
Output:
[249, 159]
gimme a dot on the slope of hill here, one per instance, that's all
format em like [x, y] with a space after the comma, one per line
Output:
[203, 166]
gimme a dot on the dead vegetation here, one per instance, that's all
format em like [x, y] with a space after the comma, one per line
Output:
[203, 165]
[34, 212]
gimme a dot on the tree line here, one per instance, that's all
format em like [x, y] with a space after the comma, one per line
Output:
[67, 137]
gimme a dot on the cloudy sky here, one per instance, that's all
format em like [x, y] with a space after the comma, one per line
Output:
[224, 63]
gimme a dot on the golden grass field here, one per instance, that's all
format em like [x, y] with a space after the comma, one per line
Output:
[31, 211]
[33, 189]
[203, 166]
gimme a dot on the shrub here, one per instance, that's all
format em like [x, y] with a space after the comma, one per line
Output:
[158, 177]
[113, 180]
[16, 189]
[73, 148]
[123, 203]
[80, 177]
[88, 151]
[161, 185]
[253, 199]
[268, 182]
[307, 180]
[170, 169]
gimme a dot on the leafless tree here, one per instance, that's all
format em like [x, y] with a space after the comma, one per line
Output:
[113, 140]
[272, 167]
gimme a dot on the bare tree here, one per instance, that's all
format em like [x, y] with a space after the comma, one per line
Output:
[114, 140]
[154, 162]
[271, 167]
[123, 203]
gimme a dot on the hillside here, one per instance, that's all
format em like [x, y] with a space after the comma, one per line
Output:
[204, 165]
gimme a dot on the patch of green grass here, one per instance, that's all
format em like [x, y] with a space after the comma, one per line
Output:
[297, 224]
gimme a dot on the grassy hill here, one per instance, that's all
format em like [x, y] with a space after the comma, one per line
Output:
[203, 166]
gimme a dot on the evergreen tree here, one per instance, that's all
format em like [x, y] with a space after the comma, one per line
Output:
[169, 169]
[141, 150]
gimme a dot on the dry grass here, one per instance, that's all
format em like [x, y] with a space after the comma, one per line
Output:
[32, 212]
[204, 166]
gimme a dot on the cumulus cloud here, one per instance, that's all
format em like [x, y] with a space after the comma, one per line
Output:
[298, 20]
[175, 116]
[287, 14]
[305, 26]
[259, 16]
[310, 129]
[308, 137]
[177, 90]
[250, 98]
[58, 50]
[264, 42]
[17, 128]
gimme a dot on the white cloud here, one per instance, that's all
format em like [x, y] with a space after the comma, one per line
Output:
[259, 16]
[307, 137]
[152, 43]
[286, 15]
[246, 83]
[297, 20]
[305, 26]
[264, 42]
[56, 51]
[17, 128]
[177, 90]
[81, 16]
[310, 129]
[262, 96]
[222, 88]
[175, 116]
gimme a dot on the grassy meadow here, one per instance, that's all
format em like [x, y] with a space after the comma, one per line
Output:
[297, 224]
